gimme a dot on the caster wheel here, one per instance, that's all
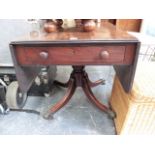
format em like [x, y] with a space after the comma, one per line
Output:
[48, 116]
[14, 98]
[103, 82]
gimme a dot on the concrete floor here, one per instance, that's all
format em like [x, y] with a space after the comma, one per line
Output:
[78, 117]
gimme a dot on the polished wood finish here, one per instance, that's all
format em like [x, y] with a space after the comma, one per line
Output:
[105, 33]
[89, 25]
[72, 46]
[129, 24]
[78, 78]
[96, 83]
[125, 24]
[50, 27]
[63, 101]
[86, 55]
[106, 45]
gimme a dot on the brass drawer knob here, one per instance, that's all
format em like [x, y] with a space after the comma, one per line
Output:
[43, 55]
[105, 54]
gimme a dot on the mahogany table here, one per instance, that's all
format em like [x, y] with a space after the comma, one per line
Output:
[105, 46]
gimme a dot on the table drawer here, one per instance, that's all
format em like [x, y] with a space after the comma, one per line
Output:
[73, 55]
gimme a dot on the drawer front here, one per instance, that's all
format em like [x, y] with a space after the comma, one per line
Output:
[72, 55]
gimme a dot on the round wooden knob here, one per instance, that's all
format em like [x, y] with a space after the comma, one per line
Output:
[105, 54]
[50, 27]
[43, 55]
[88, 25]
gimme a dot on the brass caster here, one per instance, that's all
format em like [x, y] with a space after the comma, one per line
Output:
[48, 116]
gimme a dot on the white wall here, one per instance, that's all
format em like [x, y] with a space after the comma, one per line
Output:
[148, 27]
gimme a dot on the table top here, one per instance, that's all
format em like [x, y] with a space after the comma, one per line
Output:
[104, 33]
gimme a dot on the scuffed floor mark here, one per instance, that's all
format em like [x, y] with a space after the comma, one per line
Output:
[93, 121]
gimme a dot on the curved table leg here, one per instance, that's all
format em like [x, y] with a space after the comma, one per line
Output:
[96, 83]
[62, 84]
[63, 101]
[94, 100]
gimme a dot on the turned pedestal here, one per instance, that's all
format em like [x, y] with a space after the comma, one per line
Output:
[79, 78]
